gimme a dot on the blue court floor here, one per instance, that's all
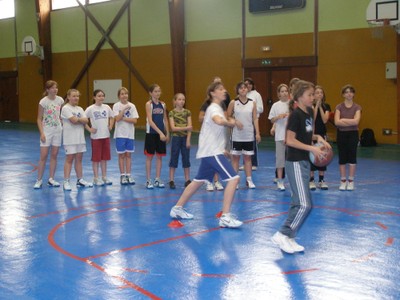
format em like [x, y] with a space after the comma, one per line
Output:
[114, 242]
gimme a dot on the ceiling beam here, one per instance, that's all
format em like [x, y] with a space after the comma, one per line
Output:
[106, 37]
[177, 31]
[43, 9]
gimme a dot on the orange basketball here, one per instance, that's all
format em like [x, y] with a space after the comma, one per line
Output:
[323, 160]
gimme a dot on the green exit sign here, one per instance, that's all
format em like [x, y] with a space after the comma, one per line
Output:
[266, 62]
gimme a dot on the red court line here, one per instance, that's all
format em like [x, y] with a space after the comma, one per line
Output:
[389, 241]
[299, 271]
[381, 225]
[176, 238]
[364, 258]
[213, 275]
[127, 283]
[19, 174]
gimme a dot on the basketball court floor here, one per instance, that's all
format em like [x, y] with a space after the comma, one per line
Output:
[115, 242]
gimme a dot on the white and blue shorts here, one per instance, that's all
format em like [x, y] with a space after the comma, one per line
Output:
[215, 164]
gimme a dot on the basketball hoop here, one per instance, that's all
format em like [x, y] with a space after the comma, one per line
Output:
[378, 26]
[28, 45]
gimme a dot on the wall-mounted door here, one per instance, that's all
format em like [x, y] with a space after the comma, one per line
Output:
[9, 107]
[267, 81]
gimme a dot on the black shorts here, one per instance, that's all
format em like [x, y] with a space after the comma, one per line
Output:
[153, 145]
[347, 143]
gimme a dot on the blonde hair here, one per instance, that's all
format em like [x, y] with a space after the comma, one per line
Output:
[69, 92]
[122, 89]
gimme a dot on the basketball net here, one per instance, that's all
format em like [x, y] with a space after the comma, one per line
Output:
[378, 27]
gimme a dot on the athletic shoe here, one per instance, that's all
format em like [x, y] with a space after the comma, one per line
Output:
[250, 184]
[276, 180]
[178, 212]
[130, 180]
[254, 168]
[343, 185]
[281, 186]
[187, 183]
[67, 185]
[230, 221]
[172, 185]
[209, 186]
[124, 180]
[98, 182]
[158, 183]
[149, 184]
[38, 184]
[53, 183]
[107, 181]
[296, 247]
[241, 168]
[350, 186]
[283, 242]
[313, 186]
[218, 186]
[322, 185]
[84, 184]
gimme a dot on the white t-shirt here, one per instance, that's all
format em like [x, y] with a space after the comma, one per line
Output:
[243, 112]
[51, 113]
[212, 136]
[73, 134]
[255, 96]
[99, 116]
[278, 108]
[125, 129]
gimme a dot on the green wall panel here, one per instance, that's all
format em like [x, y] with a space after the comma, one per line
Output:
[68, 30]
[150, 23]
[7, 38]
[213, 19]
[292, 21]
[342, 14]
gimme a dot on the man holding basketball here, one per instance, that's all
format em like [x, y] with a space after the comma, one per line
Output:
[299, 137]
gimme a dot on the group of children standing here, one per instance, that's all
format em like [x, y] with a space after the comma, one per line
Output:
[66, 121]
[298, 123]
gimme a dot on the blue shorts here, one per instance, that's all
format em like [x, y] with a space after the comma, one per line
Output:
[178, 145]
[215, 164]
[124, 145]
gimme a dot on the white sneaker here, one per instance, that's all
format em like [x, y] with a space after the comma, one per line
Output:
[53, 183]
[276, 180]
[38, 184]
[313, 186]
[343, 185]
[98, 182]
[106, 181]
[123, 180]
[130, 179]
[81, 183]
[241, 168]
[67, 185]
[209, 186]
[296, 247]
[149, 184]
[322, 185]
[159, 183]
[283, 242]
[254, 168]
[250, 184]
[230, 221]
[281, 186]
[350, 186]
[178, 212]
[218, 186]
